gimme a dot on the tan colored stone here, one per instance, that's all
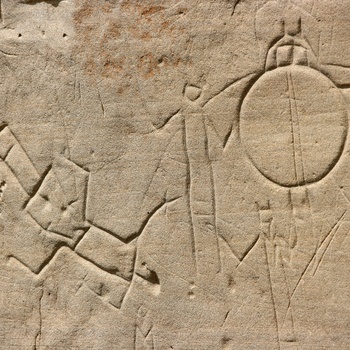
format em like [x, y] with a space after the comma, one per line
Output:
[174, 174]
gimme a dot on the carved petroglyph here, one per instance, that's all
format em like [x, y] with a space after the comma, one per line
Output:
[295, 138]
[58, 205]
[290, 131]
[55, 211]
[203, 205]
[107, 252]
[144, 337]
[2, 188]
[17, 160]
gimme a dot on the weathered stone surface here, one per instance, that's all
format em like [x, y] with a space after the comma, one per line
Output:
[174, 174]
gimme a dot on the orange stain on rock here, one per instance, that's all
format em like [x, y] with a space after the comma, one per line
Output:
[148, 11]
[145, 23]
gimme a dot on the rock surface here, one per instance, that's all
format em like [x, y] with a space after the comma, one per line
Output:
[174, 174]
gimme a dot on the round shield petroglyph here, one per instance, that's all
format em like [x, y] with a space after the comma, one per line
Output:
[293, 125]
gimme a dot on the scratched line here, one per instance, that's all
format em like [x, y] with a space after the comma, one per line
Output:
[298, 127]
[188, 190]
[332, 235]
[272, 297]
[314, 255]
[213, 194]
[292, 129]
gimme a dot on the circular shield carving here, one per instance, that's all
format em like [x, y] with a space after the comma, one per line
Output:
[293, 125]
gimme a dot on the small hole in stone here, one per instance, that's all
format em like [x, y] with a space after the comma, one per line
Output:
[20, 35]
[64, 35]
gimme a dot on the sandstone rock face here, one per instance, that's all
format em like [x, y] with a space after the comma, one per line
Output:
[174, 174]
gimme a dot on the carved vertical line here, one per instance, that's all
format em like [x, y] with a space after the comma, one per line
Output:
[201, 195]
[298, 126]
[38, 335]
[188, 191]
[274, 306]
[292, 131]
[213, 192]
[1, 12]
